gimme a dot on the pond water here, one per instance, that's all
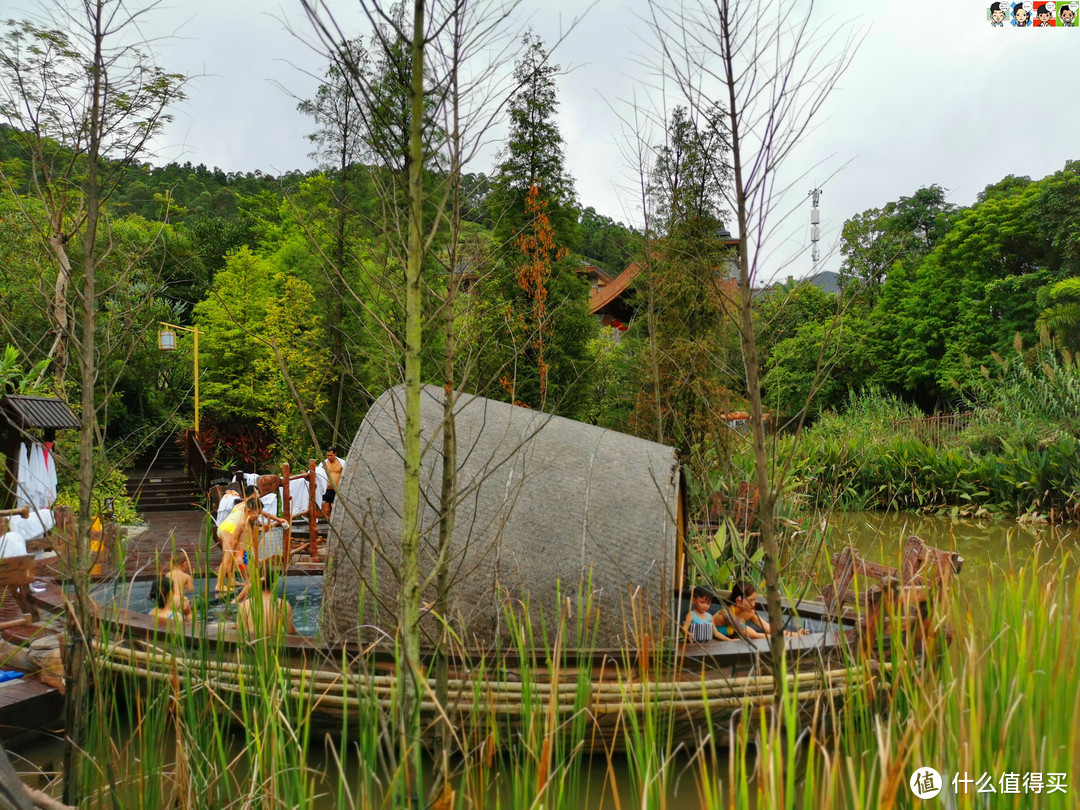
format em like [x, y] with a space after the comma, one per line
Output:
[989, 548]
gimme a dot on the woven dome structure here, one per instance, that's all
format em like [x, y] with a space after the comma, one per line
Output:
[552, 514]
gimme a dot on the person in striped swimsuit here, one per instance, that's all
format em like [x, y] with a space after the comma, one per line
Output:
[699, 625]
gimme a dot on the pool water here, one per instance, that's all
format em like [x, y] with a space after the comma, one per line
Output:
[303, 592]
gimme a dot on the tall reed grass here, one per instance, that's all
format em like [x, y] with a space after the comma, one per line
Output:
[221, 728]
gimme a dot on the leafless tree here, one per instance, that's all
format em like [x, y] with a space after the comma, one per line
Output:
[86, 100]
[772, 66]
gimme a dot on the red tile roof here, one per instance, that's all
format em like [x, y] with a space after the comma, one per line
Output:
[617, 287]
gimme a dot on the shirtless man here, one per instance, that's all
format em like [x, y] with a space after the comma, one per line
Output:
[334, 467]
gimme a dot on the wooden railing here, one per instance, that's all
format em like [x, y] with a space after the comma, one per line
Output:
[199, 467]
[934, 429]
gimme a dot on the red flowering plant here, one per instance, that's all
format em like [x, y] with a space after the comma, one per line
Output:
[229, 445]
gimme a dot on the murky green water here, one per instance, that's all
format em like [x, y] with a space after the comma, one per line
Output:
[989, 548]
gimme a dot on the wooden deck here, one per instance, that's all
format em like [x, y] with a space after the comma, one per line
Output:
[185, 530]
[26, 704]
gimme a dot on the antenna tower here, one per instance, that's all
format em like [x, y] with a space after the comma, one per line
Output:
[815, 227]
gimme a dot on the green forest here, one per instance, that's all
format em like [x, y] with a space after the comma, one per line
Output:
[294, 282]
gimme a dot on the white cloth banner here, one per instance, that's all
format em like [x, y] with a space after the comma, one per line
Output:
[36, 486]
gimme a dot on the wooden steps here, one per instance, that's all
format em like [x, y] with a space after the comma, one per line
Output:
[159, 483]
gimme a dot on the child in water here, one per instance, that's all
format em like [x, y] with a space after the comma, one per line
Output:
[181, 581]
[699, 623]
[163, 611]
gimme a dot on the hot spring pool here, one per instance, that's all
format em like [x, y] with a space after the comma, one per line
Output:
[303, 592]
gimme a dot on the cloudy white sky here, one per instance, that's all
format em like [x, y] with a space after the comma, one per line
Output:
[944, 100]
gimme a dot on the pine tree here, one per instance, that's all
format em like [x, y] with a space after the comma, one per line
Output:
[534, 154]
[533, 307]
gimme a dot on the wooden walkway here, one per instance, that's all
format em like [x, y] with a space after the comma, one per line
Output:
[186, 530]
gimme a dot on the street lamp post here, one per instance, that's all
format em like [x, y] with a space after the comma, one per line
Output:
[167, 343]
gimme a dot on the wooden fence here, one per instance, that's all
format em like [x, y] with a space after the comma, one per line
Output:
[933, 430]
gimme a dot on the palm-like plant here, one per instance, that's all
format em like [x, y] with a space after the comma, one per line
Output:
[1061, 313]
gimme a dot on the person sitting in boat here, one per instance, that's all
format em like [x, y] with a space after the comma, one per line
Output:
[264, 613]
[164, 610]
[699, 624]
[740, 617]
[235, 535]
[180, 579]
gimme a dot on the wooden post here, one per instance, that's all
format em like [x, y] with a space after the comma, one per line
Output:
[286, 509]
[313, 513]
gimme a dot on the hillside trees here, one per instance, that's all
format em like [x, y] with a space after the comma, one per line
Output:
[971, 294]
[612, 245]
[899, 232]
[813, 347]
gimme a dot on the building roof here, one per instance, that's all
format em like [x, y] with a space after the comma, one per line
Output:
[548, 509]
[592, 268]
[616, 288]
[38, 413]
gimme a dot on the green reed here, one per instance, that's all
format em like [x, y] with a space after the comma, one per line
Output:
[1002, 697]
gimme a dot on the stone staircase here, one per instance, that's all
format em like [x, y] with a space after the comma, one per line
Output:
[159, 483]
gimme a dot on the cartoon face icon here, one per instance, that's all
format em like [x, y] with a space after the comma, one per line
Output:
[1021, 16]
[1068, 15]
[1044, 15]
[997, 13]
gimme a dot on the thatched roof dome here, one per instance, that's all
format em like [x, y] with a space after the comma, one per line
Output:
[548, 508]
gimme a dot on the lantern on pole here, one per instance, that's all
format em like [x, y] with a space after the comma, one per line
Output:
[167, 343]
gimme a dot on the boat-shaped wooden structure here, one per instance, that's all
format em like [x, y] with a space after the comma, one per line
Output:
[568, 587]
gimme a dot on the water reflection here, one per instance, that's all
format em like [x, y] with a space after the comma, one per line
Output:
[303, 592]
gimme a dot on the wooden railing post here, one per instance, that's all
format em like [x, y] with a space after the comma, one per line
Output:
[286, 509]
[313, 513]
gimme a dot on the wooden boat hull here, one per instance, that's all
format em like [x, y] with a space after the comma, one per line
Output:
[600, 698]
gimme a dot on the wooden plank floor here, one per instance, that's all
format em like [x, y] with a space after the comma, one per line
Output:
[150, 550]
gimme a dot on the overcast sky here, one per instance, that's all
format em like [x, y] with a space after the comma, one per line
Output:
[941, 99]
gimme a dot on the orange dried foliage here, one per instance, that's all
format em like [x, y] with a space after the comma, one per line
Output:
[537, 242]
